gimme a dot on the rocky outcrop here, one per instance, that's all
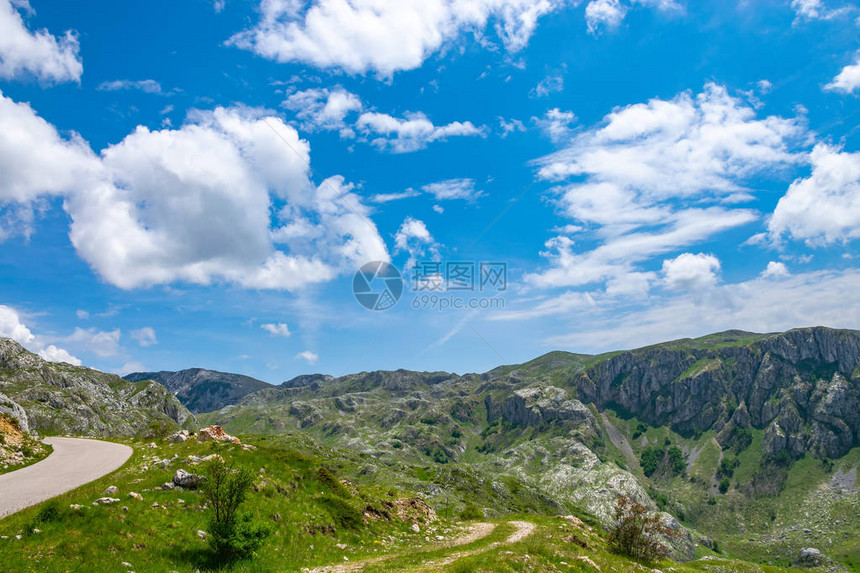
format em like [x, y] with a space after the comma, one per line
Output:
[11, 408]
[801, 386]
[538, 405]
[63, 399]
[202, 390]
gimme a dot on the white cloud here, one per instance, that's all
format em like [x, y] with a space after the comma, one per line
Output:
[414, 238]
[645, 177]
[439, 209]
[816, 10]
[825, 207]
[321, 108]
[388, 197]
[384, 36]
[509, 127]
[12, 327]
[82, 314]
[604, 14]
[193, 204]
[49, 58]
[556, 124]
[35, 162]
[691, 272]
[102, 343]
[308, 356]
[548, 85]
[129, 367]
[277, 329]
[848, 79]
[146, 86]
[145, 336]
[775, 270]
[412, 132]
[763, 304]
[454, 189]
[218, 5]
[53, 354]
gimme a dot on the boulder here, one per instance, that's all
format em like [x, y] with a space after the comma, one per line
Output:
[179, 437]
[809, 557]
[216, 433]
[185, 479]
[111, 490]
[106, 500]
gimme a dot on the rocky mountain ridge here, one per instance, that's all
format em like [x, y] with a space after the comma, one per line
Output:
[202, 390]
[58, 398]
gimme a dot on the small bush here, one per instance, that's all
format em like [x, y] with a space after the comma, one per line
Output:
[676, 457]
[343, 514]
[231, 535]
[637, 533]
[471, 511]
[725, 483]
[649, 459]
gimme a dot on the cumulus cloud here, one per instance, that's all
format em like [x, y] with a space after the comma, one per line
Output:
[224, 198]
[144, 336]
[384, 36]
[604, 14]
[449, 189]
[277, 329]
[36, 162]
[102, 343]
[775, 270]
[39, 53]
[825, 207]
[322, 108]
[644, 178]
[413, 132]
[308, 356]
[691, 272]
[12, 327]
[848, 80]
[146, 86]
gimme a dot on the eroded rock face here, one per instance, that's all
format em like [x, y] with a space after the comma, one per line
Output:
[801, 386]
[12, 408]
[62, 398]
[536, 405]
[216, 433]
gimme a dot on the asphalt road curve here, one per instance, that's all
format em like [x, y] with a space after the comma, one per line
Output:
[73, 463]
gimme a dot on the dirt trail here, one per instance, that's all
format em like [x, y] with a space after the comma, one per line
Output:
[476, 532]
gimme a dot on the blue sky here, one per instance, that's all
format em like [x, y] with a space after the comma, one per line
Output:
[196, 184]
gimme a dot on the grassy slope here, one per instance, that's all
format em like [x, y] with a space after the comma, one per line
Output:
[307, 532]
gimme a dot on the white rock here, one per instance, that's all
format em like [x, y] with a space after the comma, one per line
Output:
[201, 534]
[111, 490]
[415, 528]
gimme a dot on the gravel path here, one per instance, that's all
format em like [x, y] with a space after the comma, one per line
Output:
[73, 463]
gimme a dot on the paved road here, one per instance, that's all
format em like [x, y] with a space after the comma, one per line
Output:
[73, 463]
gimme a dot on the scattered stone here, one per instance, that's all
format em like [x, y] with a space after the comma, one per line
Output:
[415, 528]
[216, 433]
[164, 463]
[809, 557]
[135, 495]
[180, 501]
[17, 537]
[185, 479]
[35, 530]
[154, 504]
[111, 490]
[587, 561]
[126, 564]
[168, 485]
[125, 508]
[440, 538]
[341, 546]
[106, 500]
[75, 506]
[179, 437]
[201, 534]
[151, 445]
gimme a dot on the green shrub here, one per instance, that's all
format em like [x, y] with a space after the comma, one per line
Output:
[231, 535]
[676, 457]
[649, 459]
[637, 533]
[471, 511]
[724, 485]
[343, 514]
